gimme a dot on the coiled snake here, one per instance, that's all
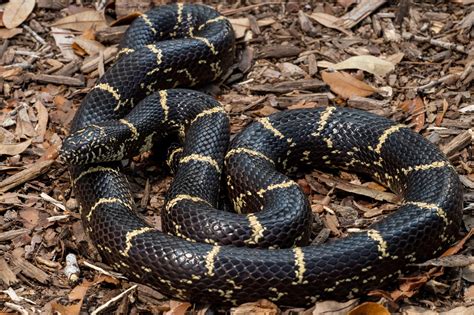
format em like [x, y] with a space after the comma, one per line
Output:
[204, 254]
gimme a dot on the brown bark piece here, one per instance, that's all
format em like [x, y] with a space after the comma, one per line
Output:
[7, 276]
[27, 174]
[458, 143]
[28, 269]
[57, 79]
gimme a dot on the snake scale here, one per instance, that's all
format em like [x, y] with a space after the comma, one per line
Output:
[207, 255]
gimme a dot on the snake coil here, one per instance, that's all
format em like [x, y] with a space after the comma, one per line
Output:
[207, 255]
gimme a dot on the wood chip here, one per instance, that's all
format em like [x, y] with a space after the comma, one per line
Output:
[19, 264]
[356, 189]
[57, 79]
[27, 174]
[9, 235]
[289, 86]
[279, 51]
[458, 142]
[7, 276]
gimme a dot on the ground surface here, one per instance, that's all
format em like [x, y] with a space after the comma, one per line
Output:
[423, 76]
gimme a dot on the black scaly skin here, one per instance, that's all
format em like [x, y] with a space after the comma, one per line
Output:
[426, 222]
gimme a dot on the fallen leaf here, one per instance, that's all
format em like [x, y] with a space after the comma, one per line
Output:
[240, 26]
[346, 3]
[369, 308]
[328, 21]
[6, 33]
[458, 246]
[178, 308]
[449, 261]
[64, 39]
[469, 294]
[368, 63]
[7, 73]
[259, 307]
[334, 307]
[395, 58]
[440, 116]
[84, 46]
[468, 273]
[14, 149]
[42, 123]
[416, 108]
[78, 294]
[16, 12]
[30, 217]
[82, 21]
[416, 310]
[346, 85]
[375, 186]
[460, 310]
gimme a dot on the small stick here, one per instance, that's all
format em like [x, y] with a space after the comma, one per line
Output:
[434, 42]
[27, 53]
[113, 300]
[101, 270]
[35, 35]
[444, 79]
[18, 308]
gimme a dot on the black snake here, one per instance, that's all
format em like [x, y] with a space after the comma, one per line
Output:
[185, 45]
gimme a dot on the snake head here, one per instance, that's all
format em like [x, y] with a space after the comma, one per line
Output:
[94, 143]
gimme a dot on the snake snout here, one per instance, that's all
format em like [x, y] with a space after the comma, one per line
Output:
[89, 145]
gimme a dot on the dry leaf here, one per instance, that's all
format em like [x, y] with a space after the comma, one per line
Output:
[458, 246]
[367, 63]
[469, 294]
[6, 73]
[375, 186]
[395, 58]
[369, 308]
[82, 21]
[42, 124]
[240, 26]
[416, 108]
[84, 46]
[328, 21]
[416, 310]
[9, 33]
[346, 3]
[259, 307]
[346, 85]
[334, 307]
[16, 12]
[78, 293]
[64, 39]
[14, 149]
[440, 116]
[178, 308]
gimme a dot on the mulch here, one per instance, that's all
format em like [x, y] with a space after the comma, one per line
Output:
[410, 61]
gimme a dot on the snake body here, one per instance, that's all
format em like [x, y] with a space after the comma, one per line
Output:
[206, 255]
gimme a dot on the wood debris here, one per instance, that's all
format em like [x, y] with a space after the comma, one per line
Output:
[409, 61]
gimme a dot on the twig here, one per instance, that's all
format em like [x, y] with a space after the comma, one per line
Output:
[20, 309]
[360, 12]
[4, 47]
[247, 8]
[105, 272]
[35, 35]
[446, 78]
[27, 53]
[113, 300]
[434, 42]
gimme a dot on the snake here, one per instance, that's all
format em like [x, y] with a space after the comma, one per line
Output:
[263, 249]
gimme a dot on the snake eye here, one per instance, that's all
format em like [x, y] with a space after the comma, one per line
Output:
[84, 146]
